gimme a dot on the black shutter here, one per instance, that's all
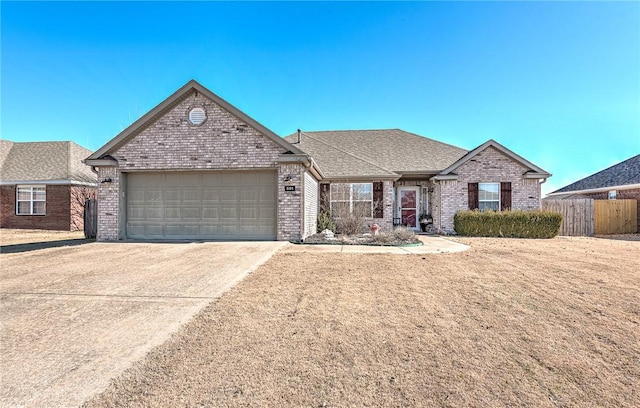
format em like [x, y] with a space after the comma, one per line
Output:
[324, 197]
[505, 195]
[378, 210]
[473, 196]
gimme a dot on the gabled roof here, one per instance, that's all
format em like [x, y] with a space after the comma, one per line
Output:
[44, 161]
[533, 172]
[619, 175]
[170, 102]
[383, 153]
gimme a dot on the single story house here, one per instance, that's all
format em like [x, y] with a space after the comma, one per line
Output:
[196, 167]
[620, 181]
[43, 185]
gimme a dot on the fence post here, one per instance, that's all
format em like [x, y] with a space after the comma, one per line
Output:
[90, 218]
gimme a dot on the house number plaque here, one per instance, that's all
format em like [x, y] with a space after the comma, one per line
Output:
[289, 188]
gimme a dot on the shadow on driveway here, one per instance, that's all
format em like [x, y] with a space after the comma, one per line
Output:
[34, 246]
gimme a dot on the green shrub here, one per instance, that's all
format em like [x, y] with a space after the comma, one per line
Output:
[510, 224]
[326, 221]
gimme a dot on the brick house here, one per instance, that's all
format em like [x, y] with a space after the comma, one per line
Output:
[413, 176]
[196, 167]
[620, 181]
[43, 185]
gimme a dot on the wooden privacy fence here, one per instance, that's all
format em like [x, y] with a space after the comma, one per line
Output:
[586, 217]
[577, 215]
[90, 218]
[616, 216]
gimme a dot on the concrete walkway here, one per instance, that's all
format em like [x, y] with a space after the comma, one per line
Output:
[431, 245]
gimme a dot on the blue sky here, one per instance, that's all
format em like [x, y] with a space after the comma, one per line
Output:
[557, 82]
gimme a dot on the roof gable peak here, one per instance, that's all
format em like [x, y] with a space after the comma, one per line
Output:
[533, 169]
[126, 135]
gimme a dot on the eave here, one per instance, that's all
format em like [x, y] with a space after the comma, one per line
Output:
[597, 190]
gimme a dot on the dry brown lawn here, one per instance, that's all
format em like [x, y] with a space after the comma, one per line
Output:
[509, 322]
[26, 236]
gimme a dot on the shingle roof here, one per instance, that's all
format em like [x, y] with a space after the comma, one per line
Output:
[621, 174]
[371, 153]
[41, 161]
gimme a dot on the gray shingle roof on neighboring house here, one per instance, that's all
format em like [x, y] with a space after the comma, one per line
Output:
[621, 174]
[44, 161]
[385, 153]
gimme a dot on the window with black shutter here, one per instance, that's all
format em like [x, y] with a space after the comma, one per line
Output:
[378, 195]
[473, 196]
[505, 195]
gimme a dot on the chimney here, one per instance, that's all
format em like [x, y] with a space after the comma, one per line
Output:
[299, 134]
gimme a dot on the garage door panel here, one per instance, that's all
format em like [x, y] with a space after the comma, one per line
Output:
[172, 213]
[154, 231]
[209, 213]
[135, 213]
[192, 195]
[136, 196]
[229, 213]
[207, 205]
[172, 195]
[172, 230]
[153, 196]
[136, 230]
[191, 213]
[154, 213]
[250, 214]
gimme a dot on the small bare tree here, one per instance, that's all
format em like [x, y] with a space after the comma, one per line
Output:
[353, 208]
[79, 195]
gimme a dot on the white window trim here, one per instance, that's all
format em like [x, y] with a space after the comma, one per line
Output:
[499, 200]
[31, 199]
[612, 194]
[351, 200]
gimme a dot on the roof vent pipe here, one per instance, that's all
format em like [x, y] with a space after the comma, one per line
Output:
[299, 135]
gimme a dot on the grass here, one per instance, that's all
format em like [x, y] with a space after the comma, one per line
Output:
[27, 236]
[508, 323]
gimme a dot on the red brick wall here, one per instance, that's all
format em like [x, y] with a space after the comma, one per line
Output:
[57, 213]
[633, 194]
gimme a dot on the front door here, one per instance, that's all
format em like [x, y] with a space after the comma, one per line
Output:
[408, 204]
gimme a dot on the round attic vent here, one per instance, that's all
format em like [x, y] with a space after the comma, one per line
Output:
[197, 116]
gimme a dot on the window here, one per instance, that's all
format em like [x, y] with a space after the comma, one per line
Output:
[612, 194]
[352, 198]
[31, 200]
[489, 196]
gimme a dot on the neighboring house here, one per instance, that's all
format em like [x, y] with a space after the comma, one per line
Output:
[43, 185]
[620, 181]
[195, 167]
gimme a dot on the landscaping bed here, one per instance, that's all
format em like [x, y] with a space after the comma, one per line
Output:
[399, 237]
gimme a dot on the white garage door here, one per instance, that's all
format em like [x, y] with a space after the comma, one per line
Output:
[206, 205]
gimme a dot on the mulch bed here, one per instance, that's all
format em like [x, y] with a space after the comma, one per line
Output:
[364, 239]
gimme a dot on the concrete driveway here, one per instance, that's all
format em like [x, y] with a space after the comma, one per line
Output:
[74, 317]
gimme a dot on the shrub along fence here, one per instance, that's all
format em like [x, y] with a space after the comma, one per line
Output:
[510, 224]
